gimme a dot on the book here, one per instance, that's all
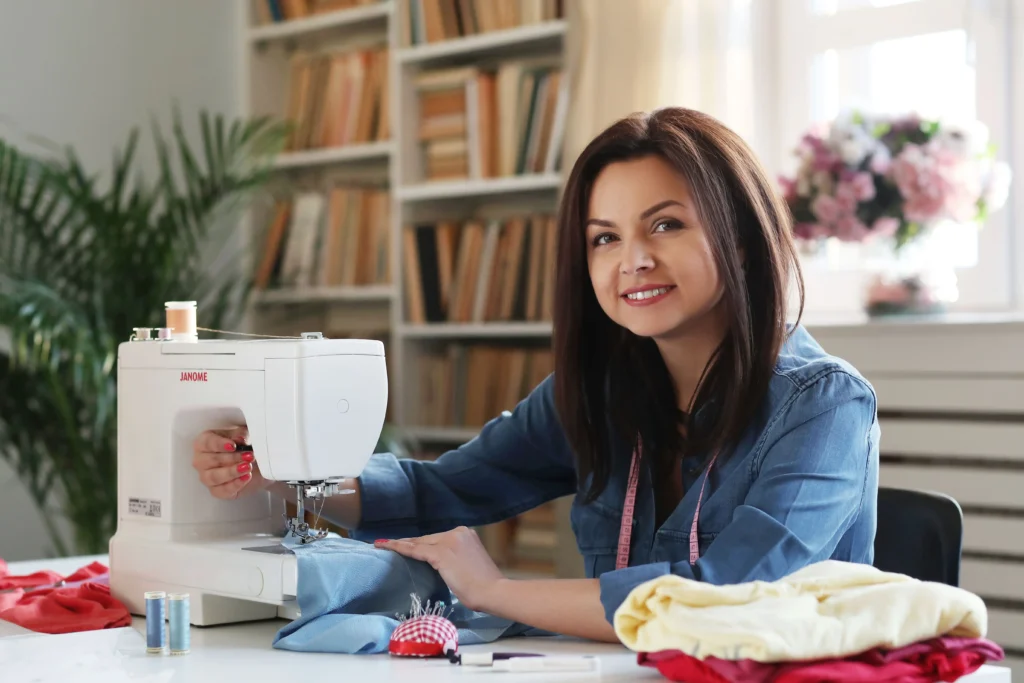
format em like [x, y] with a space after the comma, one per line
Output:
[466, 385]
[480, 270]
[337, 98]
[276, 11]
[506, 120]
[335, 238]
[432, 21]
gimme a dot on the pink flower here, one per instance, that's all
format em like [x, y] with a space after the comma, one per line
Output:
[880, 161]
[935, 184]
[863, 186]
[816, 150]
[825, 159]
[825, 208]
[846, 197]
[886, 226]
[850, 229]
[788, 188]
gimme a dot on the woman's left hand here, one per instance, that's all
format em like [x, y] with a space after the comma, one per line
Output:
[460, 558]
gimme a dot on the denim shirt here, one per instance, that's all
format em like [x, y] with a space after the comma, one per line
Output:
[800, 487]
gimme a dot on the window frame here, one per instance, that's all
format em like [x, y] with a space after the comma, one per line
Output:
[787, 35]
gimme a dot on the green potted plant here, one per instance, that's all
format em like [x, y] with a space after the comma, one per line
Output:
[83, 259]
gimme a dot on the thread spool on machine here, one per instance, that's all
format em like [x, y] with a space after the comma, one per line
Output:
[181, 320]
[179, 324]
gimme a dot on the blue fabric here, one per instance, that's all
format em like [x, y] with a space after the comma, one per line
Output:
[351, 595]
[800, 487]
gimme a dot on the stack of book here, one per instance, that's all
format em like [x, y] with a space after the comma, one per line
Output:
[480, 270]
[477, 122]
[466, 385]
[338, 98]
[274, 11]
[431, 21]
[333, 239]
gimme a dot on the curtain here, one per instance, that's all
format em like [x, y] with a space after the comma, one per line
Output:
[637, 55]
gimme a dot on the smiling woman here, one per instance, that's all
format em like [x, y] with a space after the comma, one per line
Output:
[623, 255]
[702, 435]
[674, 206]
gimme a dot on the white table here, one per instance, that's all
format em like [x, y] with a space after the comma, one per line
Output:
[243, 652]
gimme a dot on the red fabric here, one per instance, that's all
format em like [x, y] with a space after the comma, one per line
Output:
[84, 604]
[27, 580]
[683, 667]
[935, 666]
[941, 659]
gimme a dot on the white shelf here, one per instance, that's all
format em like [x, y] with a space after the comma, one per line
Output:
[265, 84]
[342, 18]
[476, 330]
[334, 155]
[448, 435]
[451, 189]
[294, 295]
[480, 44]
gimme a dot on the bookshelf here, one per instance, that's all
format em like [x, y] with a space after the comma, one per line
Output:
[338, 155]
[321, 247]
[307, 21]
[458, 122]
[547, 34]
[325, 294]
[483, 188]
[499, 330]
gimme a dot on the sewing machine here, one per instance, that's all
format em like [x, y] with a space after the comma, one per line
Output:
[314, 408]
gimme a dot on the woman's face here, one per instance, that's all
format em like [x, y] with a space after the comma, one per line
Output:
[649, 258]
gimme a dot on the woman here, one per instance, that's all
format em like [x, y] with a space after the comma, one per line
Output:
[703, 436]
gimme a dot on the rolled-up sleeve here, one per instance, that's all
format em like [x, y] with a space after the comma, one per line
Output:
[812, 470]
[516, 462]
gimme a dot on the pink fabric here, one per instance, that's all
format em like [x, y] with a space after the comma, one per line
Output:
[84, 603]
[938, 659]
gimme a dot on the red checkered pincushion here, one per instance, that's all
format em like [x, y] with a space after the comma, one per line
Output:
[425, 633]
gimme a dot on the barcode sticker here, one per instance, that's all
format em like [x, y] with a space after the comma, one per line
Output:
[144, 507]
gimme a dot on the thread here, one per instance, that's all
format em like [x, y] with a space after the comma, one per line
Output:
[155, 621]
[249, 334]
[178, 612]
[181, 318]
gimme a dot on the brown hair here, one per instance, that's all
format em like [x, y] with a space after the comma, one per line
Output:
[611, 385]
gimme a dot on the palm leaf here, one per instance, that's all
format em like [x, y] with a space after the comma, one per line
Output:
[81, 263]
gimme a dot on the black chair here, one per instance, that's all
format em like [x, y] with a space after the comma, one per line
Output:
[920, 534]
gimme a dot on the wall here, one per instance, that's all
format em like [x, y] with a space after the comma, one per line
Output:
[82, 73]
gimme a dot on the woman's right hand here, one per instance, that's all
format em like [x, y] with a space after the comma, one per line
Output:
[224, 469]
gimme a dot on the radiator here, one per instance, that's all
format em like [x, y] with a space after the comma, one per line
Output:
[951, 403]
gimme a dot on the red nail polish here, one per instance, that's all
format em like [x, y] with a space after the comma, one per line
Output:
[229, 446]
[248, 457]
[244, 467]
[246, 477]
[380, 540]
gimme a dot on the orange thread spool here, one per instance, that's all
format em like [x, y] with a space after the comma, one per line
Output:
[181, 318]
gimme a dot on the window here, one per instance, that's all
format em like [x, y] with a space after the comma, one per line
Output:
[944, 58]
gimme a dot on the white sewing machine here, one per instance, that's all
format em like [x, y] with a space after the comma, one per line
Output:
[314, 409]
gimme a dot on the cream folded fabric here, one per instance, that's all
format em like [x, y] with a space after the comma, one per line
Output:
[828, 609]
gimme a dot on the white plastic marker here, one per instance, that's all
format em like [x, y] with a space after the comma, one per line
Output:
[528, 662]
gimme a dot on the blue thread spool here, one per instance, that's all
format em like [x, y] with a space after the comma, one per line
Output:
[178, 611]
[155, 622]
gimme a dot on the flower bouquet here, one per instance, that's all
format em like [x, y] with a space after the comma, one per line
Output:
[893, 178]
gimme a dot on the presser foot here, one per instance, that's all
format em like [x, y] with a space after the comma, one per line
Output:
[297, 525]
[301, 530]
